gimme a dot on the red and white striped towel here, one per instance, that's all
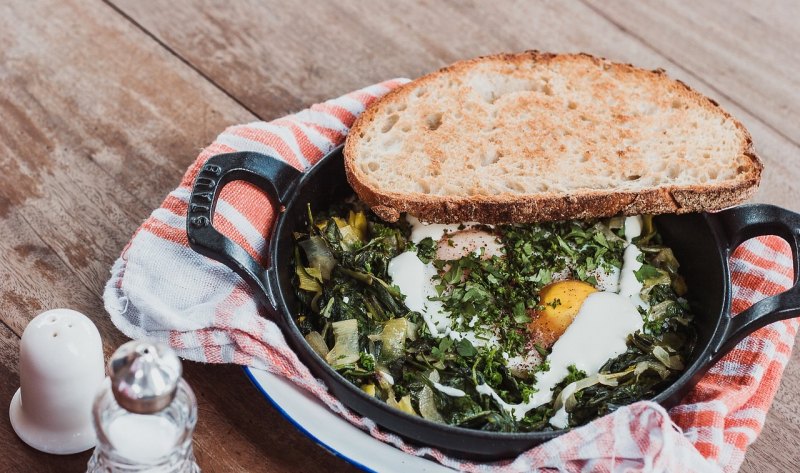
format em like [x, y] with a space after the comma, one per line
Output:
[162, 289]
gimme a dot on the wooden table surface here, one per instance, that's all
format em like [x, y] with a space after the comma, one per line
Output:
[104, 104]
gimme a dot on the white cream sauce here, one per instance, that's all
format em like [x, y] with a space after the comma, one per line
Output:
[524, 364]
[415, 281]
[560, 419]
[456, 245]
[386, 377]
[629, 286]
[633, 227]
[607, 281]
[477, 341]
[592, 339]
[487, 390]
[450, 391]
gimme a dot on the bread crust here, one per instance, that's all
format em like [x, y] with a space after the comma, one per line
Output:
[550, 206]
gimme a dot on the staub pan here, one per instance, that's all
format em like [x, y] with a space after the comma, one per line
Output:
[702, 243]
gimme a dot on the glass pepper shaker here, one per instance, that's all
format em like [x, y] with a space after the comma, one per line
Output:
[145, 413]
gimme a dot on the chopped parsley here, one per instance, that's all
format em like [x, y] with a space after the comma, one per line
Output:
[502, 292]
[340, 273]
[426, 250]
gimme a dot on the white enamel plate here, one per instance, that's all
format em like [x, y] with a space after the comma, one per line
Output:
[333, 433]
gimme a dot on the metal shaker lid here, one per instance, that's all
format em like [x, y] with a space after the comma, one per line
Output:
[144, 376]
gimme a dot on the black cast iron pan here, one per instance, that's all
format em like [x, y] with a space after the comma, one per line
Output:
[701, 242]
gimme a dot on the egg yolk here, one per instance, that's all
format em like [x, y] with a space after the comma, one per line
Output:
[559, 304]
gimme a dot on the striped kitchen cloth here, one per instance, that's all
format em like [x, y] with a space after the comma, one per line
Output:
[161, 289]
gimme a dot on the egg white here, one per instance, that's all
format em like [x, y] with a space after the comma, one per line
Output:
[593, 337]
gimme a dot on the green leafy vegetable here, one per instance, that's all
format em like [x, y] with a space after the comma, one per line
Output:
[439, 352]
[348, 302]
[646, 272]
[426, 250]
[464, 348]
[366, 361]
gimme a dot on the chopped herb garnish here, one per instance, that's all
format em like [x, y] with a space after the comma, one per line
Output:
[465, 348]
[359, 318]
[426, 250]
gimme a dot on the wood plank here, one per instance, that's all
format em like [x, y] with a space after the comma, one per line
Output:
[745, 49]
[99, 123]
[333, 48]
[38, 280]
[329, 49]
[127, 118]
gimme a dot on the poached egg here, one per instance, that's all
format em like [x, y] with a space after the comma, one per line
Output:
[588, 327]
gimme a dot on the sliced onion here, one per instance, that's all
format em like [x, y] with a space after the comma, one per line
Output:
[643, 366]
[659, 311]
[427, 405]
[349, 237]
[662, 278]
[648, 230]
[434, 376]
[667, 259]
[393, 338]
[672, 362]
[345, 348]
[306, 282]
[676, 362]
[411, 331]
[616, 222]
[609, 379]
[314, 273]
[317, 343]
[385, 380]
[567, 395]
[319, 255]
[610, 235]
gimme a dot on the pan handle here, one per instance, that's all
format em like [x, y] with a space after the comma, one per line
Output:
[749, 221]
[270, 174]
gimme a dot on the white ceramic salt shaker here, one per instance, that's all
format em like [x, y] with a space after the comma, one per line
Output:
[60, 369]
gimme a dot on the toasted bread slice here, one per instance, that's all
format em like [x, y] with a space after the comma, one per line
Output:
[535, 137]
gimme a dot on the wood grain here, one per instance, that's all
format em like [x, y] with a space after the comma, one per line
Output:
[94, 134]
[353, 46]
[104, 105]
[411, 38]
[745, 49]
